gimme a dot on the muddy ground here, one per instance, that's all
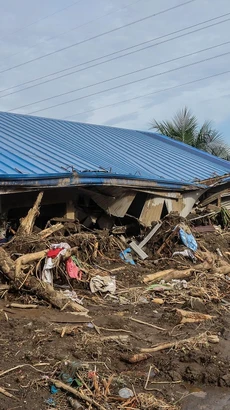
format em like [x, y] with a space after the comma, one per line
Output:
[37, 343]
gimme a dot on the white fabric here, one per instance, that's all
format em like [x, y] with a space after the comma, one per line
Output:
[50, 263]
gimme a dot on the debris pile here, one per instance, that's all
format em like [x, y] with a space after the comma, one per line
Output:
[134, 317]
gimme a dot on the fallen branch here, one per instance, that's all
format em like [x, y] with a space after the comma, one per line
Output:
[107, 384]
[27, 258]
[49, 231]
[77, 393]
[42, 289]
[21, 306]
[4, 287]
[149, 373]
[112, 330]
[168, 275]
[7, 394]
[4, 372]
[192, 317]
[67, 330]
[27, 223]
[146, 324]
[136, 358]
[191, 341]
[115, 338]
[224, 270]
[168, 239]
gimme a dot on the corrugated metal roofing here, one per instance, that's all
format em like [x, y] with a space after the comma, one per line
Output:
[34, 146]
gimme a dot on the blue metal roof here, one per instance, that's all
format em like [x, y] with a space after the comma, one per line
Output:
[35, 148]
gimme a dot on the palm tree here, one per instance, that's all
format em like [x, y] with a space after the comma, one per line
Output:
[185, 127]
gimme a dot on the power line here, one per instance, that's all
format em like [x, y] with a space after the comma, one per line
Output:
[148, 94]
[131, 82]
[121, 76]
[72, 29]
[96, 36]
[117, 57]
[41, 19]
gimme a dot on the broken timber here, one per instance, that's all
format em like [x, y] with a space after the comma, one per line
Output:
[27, 223]
[42, 289]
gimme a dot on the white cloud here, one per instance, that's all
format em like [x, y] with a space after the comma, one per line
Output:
[208, 99]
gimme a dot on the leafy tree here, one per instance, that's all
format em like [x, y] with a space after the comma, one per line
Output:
[185, 127]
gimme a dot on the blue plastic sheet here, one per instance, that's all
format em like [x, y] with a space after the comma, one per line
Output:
[126, 255]
[188, 240]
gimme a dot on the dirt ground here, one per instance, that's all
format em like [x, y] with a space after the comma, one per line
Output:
[44, 343]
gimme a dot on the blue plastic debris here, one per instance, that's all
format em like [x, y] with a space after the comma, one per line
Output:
[188, 240]
[66, 378]
[126, 255]
[50, 402]
[53, 389]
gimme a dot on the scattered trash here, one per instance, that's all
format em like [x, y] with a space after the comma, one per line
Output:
[68, 373]
[187, 253]
[52, 257]
[188, 239]
[219, 252]
[71, 294]
[103, 284]
[92, 374]
[125, 393]
[65, 377]
[143, 299]
[90, 325]
[160, 287]
[124, 301]
[126, 256]
[50, 402]
[75, 404]
[175, 284]
[53, 389]
[73, 270]
[179, 284]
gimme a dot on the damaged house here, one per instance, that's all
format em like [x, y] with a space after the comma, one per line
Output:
[102, 176]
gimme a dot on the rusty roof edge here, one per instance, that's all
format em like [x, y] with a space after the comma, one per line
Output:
[101, 179]
[214, 180]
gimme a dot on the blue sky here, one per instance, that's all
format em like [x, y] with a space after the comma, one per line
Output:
[25, 34]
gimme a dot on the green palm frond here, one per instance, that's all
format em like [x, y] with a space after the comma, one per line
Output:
[184, 127]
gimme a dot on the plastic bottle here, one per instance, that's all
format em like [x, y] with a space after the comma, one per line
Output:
[75, 404]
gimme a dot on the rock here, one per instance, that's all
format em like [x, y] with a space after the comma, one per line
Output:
[175, 376]
[225, 380]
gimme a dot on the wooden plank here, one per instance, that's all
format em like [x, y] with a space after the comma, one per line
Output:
[211, 198]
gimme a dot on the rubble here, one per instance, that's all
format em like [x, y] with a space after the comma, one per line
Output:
[102, 291]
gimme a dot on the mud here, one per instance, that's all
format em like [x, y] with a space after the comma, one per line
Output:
[37, 343]
[28, 337]
[208, 399]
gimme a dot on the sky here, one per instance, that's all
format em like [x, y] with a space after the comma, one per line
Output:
[30, 30]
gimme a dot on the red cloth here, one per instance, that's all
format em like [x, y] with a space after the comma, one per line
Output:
[53, 253]
[72, 270]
